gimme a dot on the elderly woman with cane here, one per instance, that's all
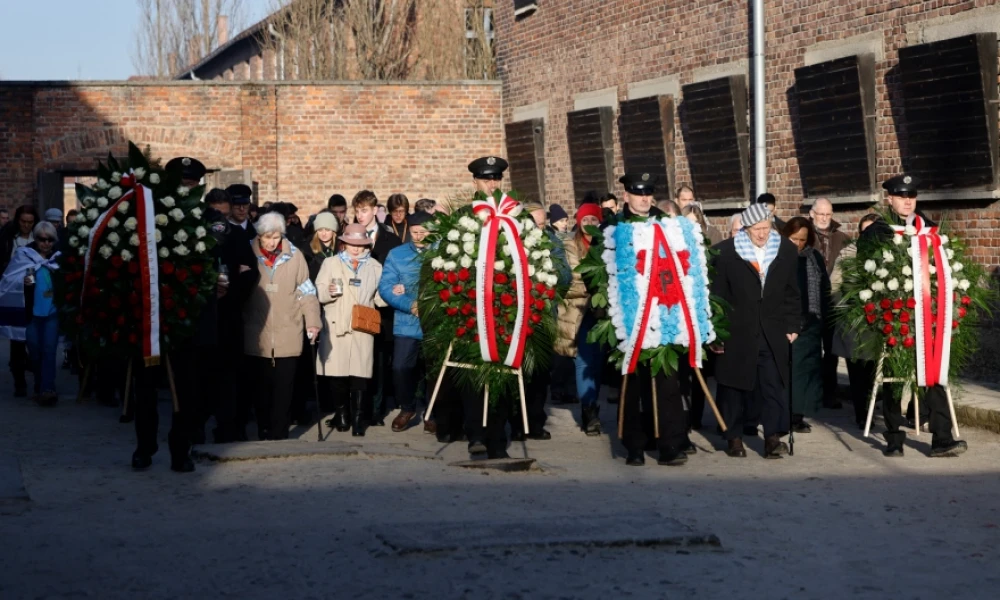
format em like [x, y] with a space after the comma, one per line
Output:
[273, 321]
[756, 273]
[348, 291]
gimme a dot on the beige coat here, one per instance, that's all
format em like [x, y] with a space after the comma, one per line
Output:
[342, 351]
[572, 308]
[273, 314]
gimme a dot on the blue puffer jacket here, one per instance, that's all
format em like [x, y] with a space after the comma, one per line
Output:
[402, 266]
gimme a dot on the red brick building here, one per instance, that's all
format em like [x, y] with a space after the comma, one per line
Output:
[857, 91]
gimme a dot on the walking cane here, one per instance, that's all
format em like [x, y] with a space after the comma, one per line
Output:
[791, 428]
[319, 409]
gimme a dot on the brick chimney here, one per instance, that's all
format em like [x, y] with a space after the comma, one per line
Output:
[221, 30]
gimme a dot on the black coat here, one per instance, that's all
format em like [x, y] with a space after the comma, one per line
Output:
[235, 251]
[882, 231]
[385, 241]
[775, 313]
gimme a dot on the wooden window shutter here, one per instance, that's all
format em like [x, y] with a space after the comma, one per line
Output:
[717, 139]
[646, 134]
[526, 155]
[591, 150]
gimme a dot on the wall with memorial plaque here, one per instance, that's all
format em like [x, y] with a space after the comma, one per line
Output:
[526, 157]
[591, 150]
[646, 135]
[714, 118]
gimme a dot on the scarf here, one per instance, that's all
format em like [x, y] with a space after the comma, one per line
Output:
[406, 226]
[270, 256]
[814, 279]
[354, 264]
[744, 247]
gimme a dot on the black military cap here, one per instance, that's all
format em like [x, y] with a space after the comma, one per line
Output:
[190, 168]
[419, 218]
[639, 184]
[488, 167]
[902, 185]
[240, 193]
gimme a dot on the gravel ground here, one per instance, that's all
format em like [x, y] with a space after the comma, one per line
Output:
[837, 520]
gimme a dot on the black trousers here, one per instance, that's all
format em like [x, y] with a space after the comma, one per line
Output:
[449, 409]
[536, 391]
[19, 363]
[273, 395]
[767, 395]
[691, 390]
[109, 379]
[638, 426]
[230, 400]
[861, 374]
[937, 405]
[147, 382]
[829, 368]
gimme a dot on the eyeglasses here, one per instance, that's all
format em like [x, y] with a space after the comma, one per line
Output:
[45, 240]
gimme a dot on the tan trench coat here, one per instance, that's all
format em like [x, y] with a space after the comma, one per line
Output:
[574, 304]
[342, 351]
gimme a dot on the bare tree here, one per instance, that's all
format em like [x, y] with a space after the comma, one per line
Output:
[480, 51]
[176, 33]
[305, 39]
[383, 32]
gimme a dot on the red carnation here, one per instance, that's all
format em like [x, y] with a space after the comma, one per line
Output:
[962, 312]
[506, 339]
[908, 342]
[540, 287]
[911, 303]
[166, 291]
[475, 338]
[500, 278]
[897, 304]
[904, 317]
[452, 278]
[871, 318]
[471, 293]
[112, 274]
[197, 269]
[120, 321]
[887, 329]
[885, 303]
[501, 331]
[168, 304]
[133, 338]
[467, 309]
[887, 317]
[470, 323]
[182, 275]
[904, 329]
[438, 276]
[891, 341]
[444, 295]
[536, 318]
[192, 290]
[496, 310]
[506, 299]
[966, 300]
[460, 331]
[117, 262]
[530, 330]
[133, 267]
[463, 274]
[452, 311]
[869, 308]
[167, 267]
[954, 324]
[456, 289]
[181, 313]
[539, 304]
[551, 293]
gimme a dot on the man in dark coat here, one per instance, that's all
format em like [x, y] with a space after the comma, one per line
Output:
[901, 196]
[756, 272]
[241, 195]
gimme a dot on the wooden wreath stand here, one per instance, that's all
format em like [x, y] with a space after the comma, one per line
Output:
[170, 380]
[486, 395]
[879, 380]
[656, 411]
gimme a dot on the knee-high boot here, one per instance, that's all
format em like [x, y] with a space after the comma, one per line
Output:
[357, 414]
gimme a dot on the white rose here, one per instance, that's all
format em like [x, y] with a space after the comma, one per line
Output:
[531, 270]
[469, 247]
[81, 250]
[887, 256]
[200, 232]
[123, 207]
[546, 253]
[139, 172]
[113, 239]
[183, 191]
[498, 265]
[74, 241]
[932, 269]
[893, 285]
[451, 249]
[134, 240]
[181, 250]
[181, 236]
[944, 240]
[115, 193]
[910, 230]
[465, 261]
[949, 253]
[105, 251]
[176, 214]
[547, 264]
[882, 273]
[878, 286]
[528, 224]
[505, 249]
[83, 231]
[168, 201]
[102, 202]
[468, 237]
[536, 255]
[131, 223]
[126, 255]
[92, 214]
[957, 267]
[113, 222]
[898, 240]
[154, 178]
[908, 285]
[116, 177]
[80, 218]
[199, 247]
[437, 263]
[450, 265]
[159, 236]
[870, 266]
[907, 270]
[453, 235]
[162, 220]
[964, 284]
[164, 252]
[196, 213]
[102, 184]
[910, 251]
[865, 295]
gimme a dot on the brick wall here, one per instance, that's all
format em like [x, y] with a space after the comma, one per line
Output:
[300, 142]
[586, 45]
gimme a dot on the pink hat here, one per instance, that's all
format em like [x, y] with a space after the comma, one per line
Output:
[355, 234]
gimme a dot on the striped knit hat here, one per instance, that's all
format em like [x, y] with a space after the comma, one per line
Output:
[755, 213]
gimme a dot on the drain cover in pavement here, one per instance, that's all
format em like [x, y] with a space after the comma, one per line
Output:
[507, 465]
[607, 532]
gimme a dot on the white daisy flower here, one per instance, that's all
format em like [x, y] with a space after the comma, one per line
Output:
[199, 232]
[451, 249]
[870, 266]
[83, 231]
[158, 236]
[498, 265]
[469, 247]
[957, 267]
[878, 286]
[450, 265]
[964, 284]
[907, 270]
[92, 214]
[113, 222]
[908, 285]
[893, 285]
[102, 184]
[196, 213]
[465, 261]
[437, 263]
[176, 214]
[887, 256]
[183, 191]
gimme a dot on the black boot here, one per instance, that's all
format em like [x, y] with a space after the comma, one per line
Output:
[341, 418]
[894, 443]
[357, 416]
[635, 458]
[591, 420]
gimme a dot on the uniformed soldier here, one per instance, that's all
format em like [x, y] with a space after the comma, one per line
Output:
[901, 197]
[192, 170]
[638, 433]
[241, 196]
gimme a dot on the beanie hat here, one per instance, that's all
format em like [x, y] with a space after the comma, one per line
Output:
[419, 218]
[755, 213]
[53, 214]
[557, 213]
[325, 220]
[588, 210]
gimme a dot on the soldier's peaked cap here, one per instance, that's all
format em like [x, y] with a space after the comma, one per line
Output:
[488, 167]
[902, 185]
[639, 183]
[240, 193]
[190, 168]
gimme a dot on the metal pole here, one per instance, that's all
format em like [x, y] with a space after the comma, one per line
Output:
[759, 101]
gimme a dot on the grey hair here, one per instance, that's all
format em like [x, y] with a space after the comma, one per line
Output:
[733, 219]
[271, 222]
[45, 228]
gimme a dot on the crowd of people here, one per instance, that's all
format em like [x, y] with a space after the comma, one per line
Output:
[327, 311]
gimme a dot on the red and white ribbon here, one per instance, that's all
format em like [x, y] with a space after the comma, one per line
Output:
[147, 257]
[500, 215]
[933, 345]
